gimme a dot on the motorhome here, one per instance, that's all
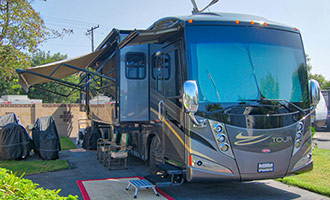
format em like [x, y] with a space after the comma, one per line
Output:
[320, 117]
[211, 96]
[325, 94]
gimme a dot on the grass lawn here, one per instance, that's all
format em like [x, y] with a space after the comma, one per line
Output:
[67, 144]
[34, 167]
[39, 166]
[317, 180]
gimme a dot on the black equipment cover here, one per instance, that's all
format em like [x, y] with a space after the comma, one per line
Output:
[46, 139]
[90, 138]
[15, 142]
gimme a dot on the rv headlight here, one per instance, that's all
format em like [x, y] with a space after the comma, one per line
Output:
[298, 143]
[221, 137]
[224, 147]
[300, 126]
[299, 137]
[218, 128]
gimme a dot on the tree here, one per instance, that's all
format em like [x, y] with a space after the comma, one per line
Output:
[324, 84]
[21, 30]
[41, 58]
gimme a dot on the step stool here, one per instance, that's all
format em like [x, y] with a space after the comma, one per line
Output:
[141, 184]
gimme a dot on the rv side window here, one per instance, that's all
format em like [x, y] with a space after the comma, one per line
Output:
[158, 70]
[135, 66]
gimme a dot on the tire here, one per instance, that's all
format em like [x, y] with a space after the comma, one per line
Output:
[155, 154]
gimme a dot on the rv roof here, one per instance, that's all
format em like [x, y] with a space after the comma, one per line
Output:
[214, 18]
[221, 17]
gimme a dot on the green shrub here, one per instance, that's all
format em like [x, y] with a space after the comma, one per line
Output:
[313, 131]
[13, 187]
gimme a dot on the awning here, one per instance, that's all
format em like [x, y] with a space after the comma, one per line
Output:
[148, 36]
[56, 70]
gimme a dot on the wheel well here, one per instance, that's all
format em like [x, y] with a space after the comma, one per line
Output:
[152, 135]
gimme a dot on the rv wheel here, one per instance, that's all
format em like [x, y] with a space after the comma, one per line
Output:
[155, 154]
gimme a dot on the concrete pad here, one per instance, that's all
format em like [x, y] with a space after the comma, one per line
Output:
[322, 140]
[115, 189]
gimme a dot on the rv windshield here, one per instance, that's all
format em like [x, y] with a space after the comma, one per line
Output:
[234, 64]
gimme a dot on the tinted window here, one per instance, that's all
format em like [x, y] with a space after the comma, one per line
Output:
[135, 66]
[160, 70]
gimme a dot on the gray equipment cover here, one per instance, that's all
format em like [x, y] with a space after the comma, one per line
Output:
[15, 142]
[7, 119]
[46, 139]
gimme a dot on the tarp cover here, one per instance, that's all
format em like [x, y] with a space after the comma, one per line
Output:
[15, 142]
[7, 119]
[90, 138]
[46, 139]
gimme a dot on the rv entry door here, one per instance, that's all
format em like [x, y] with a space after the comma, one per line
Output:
[169, 83]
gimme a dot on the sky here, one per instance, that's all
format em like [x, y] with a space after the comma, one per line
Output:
[310, 17]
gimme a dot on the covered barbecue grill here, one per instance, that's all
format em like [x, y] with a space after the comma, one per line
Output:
[46, 139]
[15, 142]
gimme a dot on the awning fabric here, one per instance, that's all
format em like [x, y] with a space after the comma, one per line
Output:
[27, 79]
[148, 36]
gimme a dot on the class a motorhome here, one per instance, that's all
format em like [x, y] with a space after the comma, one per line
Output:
[321, 113]
[205, 97]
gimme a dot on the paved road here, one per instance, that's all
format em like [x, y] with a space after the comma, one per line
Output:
[322, 139]
[87, 167]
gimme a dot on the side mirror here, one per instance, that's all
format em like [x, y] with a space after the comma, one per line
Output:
[190, 96]
[314, 89]
[190, 100]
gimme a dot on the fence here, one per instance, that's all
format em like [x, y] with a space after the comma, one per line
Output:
[66, 115]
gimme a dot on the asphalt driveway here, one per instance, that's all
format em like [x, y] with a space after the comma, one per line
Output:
[85, 167]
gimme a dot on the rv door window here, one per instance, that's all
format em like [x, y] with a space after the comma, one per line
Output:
[160, 70]
[135, 66]
[172, 87]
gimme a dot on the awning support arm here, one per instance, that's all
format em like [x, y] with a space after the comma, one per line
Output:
[97, 74]
[57, 93]
[85, 70]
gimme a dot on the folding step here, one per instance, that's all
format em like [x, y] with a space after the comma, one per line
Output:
[169, 169]
[158, 180]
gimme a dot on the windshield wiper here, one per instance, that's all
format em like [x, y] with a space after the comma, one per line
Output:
[215, 87]
[226, 108]
[261, 100]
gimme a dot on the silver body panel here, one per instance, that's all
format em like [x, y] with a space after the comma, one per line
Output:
[134, 93]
